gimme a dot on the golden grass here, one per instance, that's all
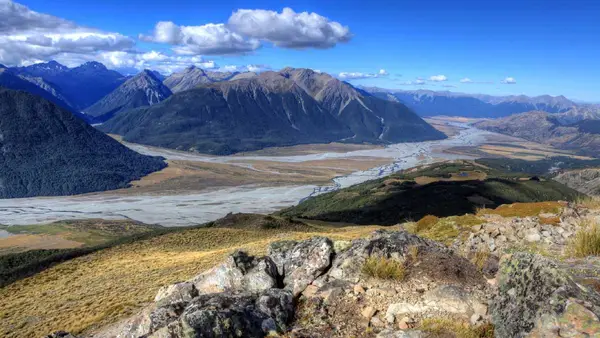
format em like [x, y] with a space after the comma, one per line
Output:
[104, 287]
[447, 327]
[426, 223]
[479, 258]
[384, 268]
[524, 209]
[447, 229]
[590, 202]
[586, 241]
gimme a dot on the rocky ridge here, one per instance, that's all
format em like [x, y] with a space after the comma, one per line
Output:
[320, 288]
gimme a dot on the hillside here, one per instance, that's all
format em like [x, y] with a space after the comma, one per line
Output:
[290, 107]
[445, 189]
[33, 86]
[47, 151]
[361, 281]
[144, 89]
[582, 137]
[432, 103]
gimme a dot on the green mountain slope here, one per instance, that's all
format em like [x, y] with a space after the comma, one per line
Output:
[451, 188]
[45, 150]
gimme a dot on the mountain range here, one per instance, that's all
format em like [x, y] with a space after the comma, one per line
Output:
[144, 89]
[572, 130]
[431, 103]
[288, 107]
[45, 151]
[193, 76]
[82, 86]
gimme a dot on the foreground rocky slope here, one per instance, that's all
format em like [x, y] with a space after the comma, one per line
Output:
[393, 284]
[46, 151]
[293, 106]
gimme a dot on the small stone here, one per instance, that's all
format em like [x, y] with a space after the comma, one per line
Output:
[532, 235]
[310, 291]
[475, 318]
[376, 322]
[476, 227]
[405, 323]
[368, 312]
[358, 289]
[480, 308]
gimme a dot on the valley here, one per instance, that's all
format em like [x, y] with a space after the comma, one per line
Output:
[197, 188]
[186, 194]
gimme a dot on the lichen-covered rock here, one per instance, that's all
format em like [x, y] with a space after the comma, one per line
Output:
[538, 299]
[176, 293]
[60, 334]
[300, 263]
[401, 334]
[238, 315]
[390, 244]
[239, 273]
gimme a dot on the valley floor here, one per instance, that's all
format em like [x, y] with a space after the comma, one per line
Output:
[197, 188]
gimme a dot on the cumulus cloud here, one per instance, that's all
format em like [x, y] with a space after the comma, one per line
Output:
[247, 68]
[438, 78]
[209, 39]
[359, 76]
[509, 80]
[289, 29]
[132, 62]
[27, 36]
[469, 81]
[417, 82]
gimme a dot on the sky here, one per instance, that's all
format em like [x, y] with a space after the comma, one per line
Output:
[508, 47]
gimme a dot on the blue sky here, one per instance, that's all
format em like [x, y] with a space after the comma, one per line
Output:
[547, 47]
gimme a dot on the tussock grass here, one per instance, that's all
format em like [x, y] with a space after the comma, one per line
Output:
[586, 241]
[106, 286]
[448, 327]
[479, 258]
[524, 209]
[384, 268]
[426, 223]
[590, 202]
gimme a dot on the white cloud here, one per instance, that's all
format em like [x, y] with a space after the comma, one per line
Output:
[417, 82]
[469, 81]
[289, 29]
[438, 78]
[209, 39]
[27, 36]
[509, 80]
[359, 75]
[130, 62]
[247, 68]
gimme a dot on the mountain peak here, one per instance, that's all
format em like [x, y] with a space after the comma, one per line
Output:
[93, 65]
[2, 66]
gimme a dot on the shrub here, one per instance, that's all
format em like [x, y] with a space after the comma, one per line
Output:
[586, 242]
[384, 268]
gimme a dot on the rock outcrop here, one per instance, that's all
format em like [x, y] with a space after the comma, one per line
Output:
[538, 299]
[318, 288]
